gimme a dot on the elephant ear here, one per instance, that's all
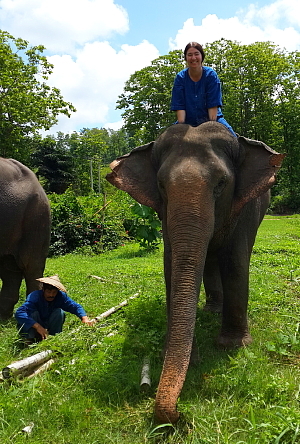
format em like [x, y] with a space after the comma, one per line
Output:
[257, 171]
[134, 173]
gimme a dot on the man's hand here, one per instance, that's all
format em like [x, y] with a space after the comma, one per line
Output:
[41, 330]
[88, 321]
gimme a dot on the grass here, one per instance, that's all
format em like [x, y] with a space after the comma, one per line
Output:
[91, 395]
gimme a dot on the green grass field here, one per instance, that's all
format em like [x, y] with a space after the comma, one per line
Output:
[91, 395]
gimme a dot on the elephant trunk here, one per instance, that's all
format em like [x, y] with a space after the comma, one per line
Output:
[189, 248]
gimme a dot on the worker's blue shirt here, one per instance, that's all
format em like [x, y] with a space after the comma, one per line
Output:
[36, 302]
[196, 97]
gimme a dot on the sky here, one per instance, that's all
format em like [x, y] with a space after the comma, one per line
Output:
[95, 45]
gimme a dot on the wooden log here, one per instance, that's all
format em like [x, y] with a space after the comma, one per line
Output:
[25, 364]
[40, 369]
[114, 309]
[145, 375]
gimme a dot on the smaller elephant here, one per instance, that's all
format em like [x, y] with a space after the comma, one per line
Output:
[24, 232]
[211, 191]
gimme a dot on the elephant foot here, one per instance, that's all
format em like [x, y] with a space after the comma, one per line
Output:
[162, 416]
[234, 341]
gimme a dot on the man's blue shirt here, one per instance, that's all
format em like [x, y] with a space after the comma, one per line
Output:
[196, 97]
[36, 302]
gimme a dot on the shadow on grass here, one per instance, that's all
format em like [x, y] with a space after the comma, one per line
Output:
[133, 254]
[118, 382]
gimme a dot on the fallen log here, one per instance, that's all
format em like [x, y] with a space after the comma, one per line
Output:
[24, 365]
[145, 375]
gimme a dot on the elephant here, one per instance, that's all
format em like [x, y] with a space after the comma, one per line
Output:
[24, 232]
[211, 190]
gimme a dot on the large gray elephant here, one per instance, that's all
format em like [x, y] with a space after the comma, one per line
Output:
[211, 191]
[24, 232]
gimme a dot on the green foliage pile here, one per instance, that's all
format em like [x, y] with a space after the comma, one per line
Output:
[92, 395]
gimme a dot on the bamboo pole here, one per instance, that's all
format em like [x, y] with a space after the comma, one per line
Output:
[42, 368]
[145, 375]
[25, 364]
[114, 309]
[102, 279]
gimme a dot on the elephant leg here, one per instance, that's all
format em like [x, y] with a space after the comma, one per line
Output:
[11, 281]
[234, 268]
[235, 332]
[213, 284]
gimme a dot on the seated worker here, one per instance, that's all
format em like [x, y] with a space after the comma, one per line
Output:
[43, 312]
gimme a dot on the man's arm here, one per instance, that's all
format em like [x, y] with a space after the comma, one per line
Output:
[41, 330]
[180, 114]
[212, 113]
[88, 321]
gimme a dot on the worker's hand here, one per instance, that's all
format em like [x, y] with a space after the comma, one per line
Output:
[43, 332]
[88, 321]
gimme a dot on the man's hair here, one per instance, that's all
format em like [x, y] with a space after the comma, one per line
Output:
[49, 287]
[194, 45]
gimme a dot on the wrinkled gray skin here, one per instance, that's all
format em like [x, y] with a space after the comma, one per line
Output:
[211, 192]
[24, 232]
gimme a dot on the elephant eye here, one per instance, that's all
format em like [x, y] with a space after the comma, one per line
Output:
[219, 188]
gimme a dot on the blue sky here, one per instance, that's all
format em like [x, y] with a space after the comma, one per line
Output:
[157, 21]
[95, 45]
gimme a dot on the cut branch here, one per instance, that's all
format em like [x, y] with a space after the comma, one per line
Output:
[26, 364]
[42, 368]
[114, 309]
[145, 375]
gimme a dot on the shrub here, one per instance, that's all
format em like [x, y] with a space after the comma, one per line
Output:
[145, 227]
[76, 226]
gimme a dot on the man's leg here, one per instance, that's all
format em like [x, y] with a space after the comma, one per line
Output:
[31, 333]
[56, 321]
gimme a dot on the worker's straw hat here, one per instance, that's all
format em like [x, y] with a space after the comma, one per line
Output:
[54, 281]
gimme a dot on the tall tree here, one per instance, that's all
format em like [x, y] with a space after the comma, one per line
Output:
[88, 149]
[146, 98]
[27, 103]
[251, 77]
[54, 164]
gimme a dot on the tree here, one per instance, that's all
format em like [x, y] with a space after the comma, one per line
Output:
[27, 103]
[146, 98]
[54, 164]
[251, 76]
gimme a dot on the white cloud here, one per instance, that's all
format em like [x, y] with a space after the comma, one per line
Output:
[95, 78]
[271, 15]
[62, 25]
[114, 125]
[249, 26]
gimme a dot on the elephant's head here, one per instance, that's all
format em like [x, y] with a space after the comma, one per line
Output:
[198, 180]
